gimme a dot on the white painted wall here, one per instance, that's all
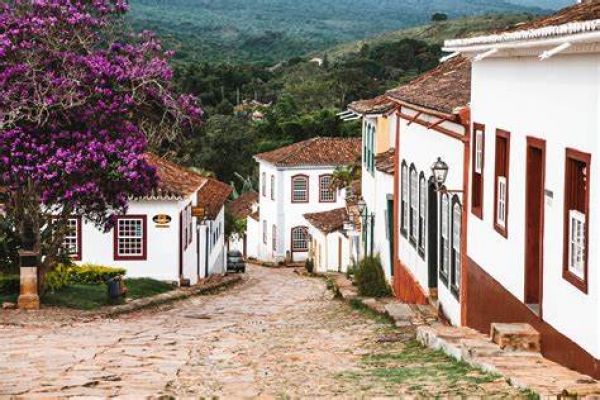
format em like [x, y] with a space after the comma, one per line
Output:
[162, 261]
[422, 147]
[285, 214]
[556, 100]
[325, 251]
[253, 237]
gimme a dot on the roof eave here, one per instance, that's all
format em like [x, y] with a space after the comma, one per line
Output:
[450, 116]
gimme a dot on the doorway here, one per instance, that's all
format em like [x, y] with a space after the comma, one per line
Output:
[534, 223]
[432, 235]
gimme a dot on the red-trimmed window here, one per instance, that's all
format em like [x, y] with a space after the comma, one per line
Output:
[131, 238]
[326, 194]
[404, 188]
[274, 238]
[478, 165]
[300, 189]
[299, 239]
[190, 224]
[456, 263]
[501, 182]
[72, 240]
[264, 184]
[445, 238]
[414, 205]
[422, 213]
[272, 187]
[576, 214]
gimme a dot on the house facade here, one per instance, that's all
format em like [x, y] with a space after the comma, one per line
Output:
[431, 124]
[158, 237]
[377, 184]
[330, 247]
[534, 182]
[295, 180]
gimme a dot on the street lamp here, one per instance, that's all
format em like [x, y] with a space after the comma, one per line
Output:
[440, 173]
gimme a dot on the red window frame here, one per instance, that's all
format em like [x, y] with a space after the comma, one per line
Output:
[321, 190]
[137, 257]
[264, 184]
[272, 187]
[295, 249]
[306, 179]
[78, 255]
[502, 170]
[575, 186]
[477, 178]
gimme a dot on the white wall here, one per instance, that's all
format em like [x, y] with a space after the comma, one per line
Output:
[253, 238]
[325, 251]
[556, 100]
[422, 147]
[285, 214]
[162, 261]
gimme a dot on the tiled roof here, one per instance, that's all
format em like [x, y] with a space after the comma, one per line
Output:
[443, 89]
[173, 180]
[243, 205]
[255, 215]
[328, 221]
[579, 18]
[212, 196]
[317, 151]
[386, 161]
[378, 105]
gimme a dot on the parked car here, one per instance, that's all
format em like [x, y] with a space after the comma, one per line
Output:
[235, 261]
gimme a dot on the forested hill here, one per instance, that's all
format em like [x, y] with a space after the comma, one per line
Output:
[269, 31]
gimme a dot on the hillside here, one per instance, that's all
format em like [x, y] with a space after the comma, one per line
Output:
[268, 31]
[430, 33]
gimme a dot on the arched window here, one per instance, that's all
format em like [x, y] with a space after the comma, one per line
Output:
[445, 238]
[456, 246]
[272, 187]
[326, 194]
[300, 189]
[422, 213]
[414, 205]
[264, 184]
[405, 195]
[299, 239]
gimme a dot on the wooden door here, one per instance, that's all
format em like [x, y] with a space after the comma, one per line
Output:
[534, 223]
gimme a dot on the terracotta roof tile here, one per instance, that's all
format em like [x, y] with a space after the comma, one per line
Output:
[585, 11]
[386, 161]
[243, 205]
[212, 196]
[317, 151]
[444, 88]
[173, 180]
[255, 215]
[328, 221]
[377, 105]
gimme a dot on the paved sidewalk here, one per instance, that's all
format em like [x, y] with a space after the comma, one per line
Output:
[525, 370]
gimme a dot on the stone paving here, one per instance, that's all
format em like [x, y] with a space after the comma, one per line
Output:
[274, 335]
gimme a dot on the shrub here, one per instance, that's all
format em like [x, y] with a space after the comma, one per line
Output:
[370, 278]
[93, 273]
[58, 278]
[9, 283]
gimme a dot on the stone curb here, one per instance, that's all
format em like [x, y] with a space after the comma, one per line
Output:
[165, 298]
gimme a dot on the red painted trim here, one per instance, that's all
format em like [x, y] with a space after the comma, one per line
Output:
[464, 292]
[478, 210]
[428, 125]
[502, 134]
[539, 144]
[333, 191]
[397, 284]
[307, 188]
[181, 244]
[116, 255]
[79, 255]
[410, 291]
[292, 239]
[567, 275]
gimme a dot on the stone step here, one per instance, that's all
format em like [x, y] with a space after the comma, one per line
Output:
[516, 337]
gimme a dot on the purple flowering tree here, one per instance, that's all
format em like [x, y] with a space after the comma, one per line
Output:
[78, 109]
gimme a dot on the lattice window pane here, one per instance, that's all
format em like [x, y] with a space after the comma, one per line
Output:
[300, 188]
[299, 239]
[577, 243]
[326, 194]
[130, 237]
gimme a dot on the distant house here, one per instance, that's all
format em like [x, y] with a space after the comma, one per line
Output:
[378, 165]
[158, 237]
[241, 208]
[330, 247]
[431, 120]
[295, 180]
[534, 182]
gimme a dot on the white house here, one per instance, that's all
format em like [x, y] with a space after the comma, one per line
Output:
[158, 237]
[378, 161]
[295, 180]
[431, 123]
[330, 246]
[534, 182]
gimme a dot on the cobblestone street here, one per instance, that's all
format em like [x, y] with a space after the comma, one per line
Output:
[274, 335]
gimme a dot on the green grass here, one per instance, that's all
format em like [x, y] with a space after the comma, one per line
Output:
[91, 297]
